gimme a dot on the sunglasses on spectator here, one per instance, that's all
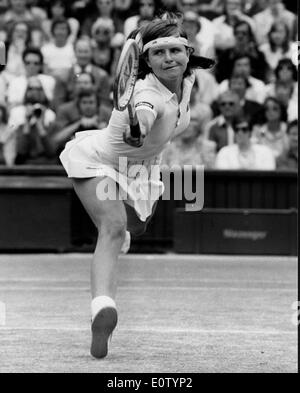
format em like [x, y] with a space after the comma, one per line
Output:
[32, 62]
[104, 31]
[227, 103]
[285, 67]
[272, 108]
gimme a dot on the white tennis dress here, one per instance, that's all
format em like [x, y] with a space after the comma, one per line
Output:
[101, 153]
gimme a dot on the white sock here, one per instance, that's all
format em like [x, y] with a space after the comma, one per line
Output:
[100, 302]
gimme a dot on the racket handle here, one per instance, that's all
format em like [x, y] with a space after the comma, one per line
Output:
[134, 124]
[135, 130]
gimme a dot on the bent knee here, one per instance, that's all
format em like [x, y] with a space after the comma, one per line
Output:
[112, 229]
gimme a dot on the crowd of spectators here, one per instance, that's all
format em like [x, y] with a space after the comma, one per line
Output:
[61, 57]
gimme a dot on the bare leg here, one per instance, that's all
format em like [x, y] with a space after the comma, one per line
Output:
[110, 219]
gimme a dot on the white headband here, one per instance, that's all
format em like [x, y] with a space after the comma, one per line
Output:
[166, 41]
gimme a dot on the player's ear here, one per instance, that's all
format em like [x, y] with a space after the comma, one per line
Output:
[190, 51]
[146, 59]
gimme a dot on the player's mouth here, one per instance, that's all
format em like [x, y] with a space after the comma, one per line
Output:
[171, 67]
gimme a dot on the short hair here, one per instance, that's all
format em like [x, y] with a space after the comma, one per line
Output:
[292, 124]
[33, 51]
[289, 63]
[60, 21]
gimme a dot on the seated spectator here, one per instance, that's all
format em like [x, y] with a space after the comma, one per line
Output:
[206, 29]
[251, 109]
[242, 66]
[18, 40]
[18, 11]
[33, 62]
[185, 149]
[172, 6]
[103, 9]
[220, 128]
[275, 11]
[65, 90]
[146, 12]
[106, 45]
[200, 34]
[211, 8]
[278, 46]
[285, 75]
[272, 132]
[289, 159]
[200, 113]
[57, 9]
[244, 153]
[208, 87]
[6, 143]
[284, 94]
[4, 82]
[30, 124]
[3, 6]
[123, 9]
[88, 106]
[68, 113]
[245, 44]
[253, 7]
[59, 56]
[224, 24]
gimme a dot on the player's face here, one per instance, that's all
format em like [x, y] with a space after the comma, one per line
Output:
[168, 62]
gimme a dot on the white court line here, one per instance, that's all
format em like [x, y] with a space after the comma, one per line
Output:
[157, 330]
[44, 258]
[133, 280]
[148, 288]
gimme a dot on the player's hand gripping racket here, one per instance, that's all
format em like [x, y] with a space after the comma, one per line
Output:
[126, 76]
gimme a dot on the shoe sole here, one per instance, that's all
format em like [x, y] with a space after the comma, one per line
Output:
[102, 327]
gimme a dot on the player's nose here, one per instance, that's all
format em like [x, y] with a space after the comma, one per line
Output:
[168, 55]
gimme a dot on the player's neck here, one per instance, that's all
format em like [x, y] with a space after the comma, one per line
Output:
[175, 86]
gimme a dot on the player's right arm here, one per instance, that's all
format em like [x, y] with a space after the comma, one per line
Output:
[146, 108]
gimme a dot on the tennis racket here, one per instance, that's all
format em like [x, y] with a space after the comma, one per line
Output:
[2, 55]
[126, 76]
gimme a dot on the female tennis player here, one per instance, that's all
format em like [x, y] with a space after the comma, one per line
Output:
[157, 111]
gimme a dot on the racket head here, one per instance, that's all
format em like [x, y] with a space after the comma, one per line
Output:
[126, 75]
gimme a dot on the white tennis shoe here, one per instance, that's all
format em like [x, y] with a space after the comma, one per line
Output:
[104, 322]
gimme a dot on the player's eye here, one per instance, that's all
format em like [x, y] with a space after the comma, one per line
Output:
[158, 52]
